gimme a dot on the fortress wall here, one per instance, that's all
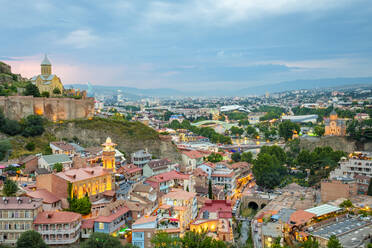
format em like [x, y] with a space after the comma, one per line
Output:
[17, 107]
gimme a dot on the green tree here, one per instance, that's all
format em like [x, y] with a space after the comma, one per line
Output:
[268, 171]
[58, 167]
[30, 146]
[200, 240]
[369, 192]
[32, 90]
[310, 243]
[45, 94]
[333, 242]
[215, 157]
[287, 128]
[276, 151]
[31, 239]
[5, 146]
[10, 188]
[236, 131]
[82, 206]
[11, 127]
[236, 156]
[33, 125]
[319, 130]
[210, 190]
[346, 204]
[246, 157]
[164, 240]
[250, 130]
[56, 91]
[101, 240]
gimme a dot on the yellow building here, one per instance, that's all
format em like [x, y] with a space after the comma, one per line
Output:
[334, 125]
[46, 81]
[108, 155]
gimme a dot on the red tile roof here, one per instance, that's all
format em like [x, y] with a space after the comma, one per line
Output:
[53, 217]
[300, 217]
[193, 154]
[145, 219]
[63, 146]
[167, 176]
[199, 173]
[221, 207]
[180, 194]
[129, 169]
[113, 216]
[87, 223]
[44, 194]
[231, 174]
[75, 175]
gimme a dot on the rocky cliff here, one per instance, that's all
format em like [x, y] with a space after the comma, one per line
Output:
[337, 143]
[130, 136]
[6, 75]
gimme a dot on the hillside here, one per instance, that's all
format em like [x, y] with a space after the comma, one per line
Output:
[130, 137]
[6, 75]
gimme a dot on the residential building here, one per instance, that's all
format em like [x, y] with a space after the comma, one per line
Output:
[215, 217]
[164, 182]
[61, 147]
[184, 210]
[131, 172]
[191, 160]
[334, 126]
[58, 228]
[16, 216]
[143, 230]
[158, 166]
[113, 218]
[30, 164]
[141, 157]
[50, 201]
[358, 163]
[224, 176]
[363, 183]
[48, 161]
[342, 187]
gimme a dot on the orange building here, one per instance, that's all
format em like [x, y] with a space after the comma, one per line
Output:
[334, 126]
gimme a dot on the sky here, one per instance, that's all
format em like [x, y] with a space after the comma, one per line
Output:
[188, 44]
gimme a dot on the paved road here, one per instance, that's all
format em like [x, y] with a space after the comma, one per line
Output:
[256, 236]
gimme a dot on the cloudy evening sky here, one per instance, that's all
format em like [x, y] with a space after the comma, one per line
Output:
[188, 44]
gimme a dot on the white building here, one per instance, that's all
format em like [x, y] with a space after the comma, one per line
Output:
[358, 163]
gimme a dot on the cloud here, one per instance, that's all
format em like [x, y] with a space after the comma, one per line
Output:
[81, 38]
[223, 12]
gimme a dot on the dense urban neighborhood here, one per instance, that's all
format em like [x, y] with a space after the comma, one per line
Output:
[290, 169]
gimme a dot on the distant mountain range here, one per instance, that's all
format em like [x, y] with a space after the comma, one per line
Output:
[132, 92]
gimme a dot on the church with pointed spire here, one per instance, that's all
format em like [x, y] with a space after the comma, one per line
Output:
[46, 81]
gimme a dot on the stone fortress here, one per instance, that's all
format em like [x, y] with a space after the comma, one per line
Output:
[53, 108]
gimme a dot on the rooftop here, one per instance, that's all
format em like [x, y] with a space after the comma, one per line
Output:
[75, 175]
[54, 217]
[144, 219]
[323, 209]
[20, 203]
[56, 158]
[180, 195]
[44, 194]
[193, 154]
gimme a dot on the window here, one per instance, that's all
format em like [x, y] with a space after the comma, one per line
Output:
[101, 226]
[149, 235]
[137, 235]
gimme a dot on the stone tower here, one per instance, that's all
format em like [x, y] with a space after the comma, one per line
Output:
[108, 155]
[46, 66]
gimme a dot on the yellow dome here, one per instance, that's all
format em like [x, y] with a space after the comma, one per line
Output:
[108, 140]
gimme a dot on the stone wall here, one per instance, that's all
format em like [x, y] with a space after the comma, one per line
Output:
[54, 109]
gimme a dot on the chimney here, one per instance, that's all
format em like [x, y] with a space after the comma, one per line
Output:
[5, 200]
[19, 200]
[49, 215]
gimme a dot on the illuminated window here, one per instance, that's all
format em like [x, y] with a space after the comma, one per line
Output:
[101, 226]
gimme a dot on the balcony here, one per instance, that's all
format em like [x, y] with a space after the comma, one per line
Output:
[62, 241]
[60, 231]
